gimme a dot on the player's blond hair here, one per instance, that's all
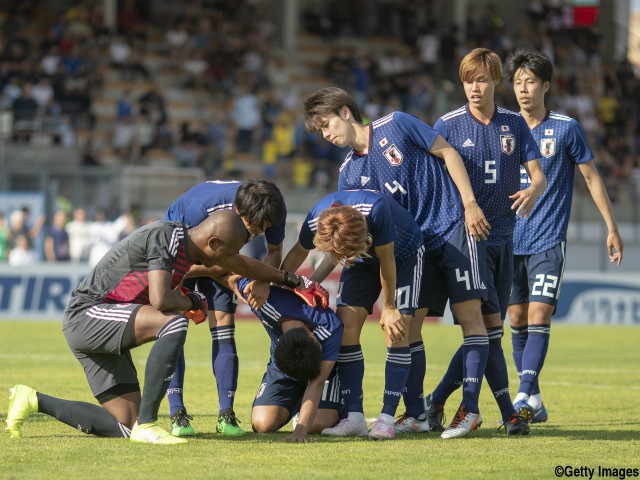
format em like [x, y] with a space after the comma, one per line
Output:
[342, 233]
[478, 62]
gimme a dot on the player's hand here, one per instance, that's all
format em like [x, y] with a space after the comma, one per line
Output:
[311, 292]
[524, 201]
[297, 438]
[200, 310]
[392, 323]
[614, 247]
[476, 222]
[257, 293]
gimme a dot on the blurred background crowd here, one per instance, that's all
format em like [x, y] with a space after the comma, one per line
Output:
[202, 84]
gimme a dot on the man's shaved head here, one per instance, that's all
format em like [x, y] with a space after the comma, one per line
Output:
[220, 235]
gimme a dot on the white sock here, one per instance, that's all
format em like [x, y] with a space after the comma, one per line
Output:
[356, 417]
[535, 401]
[388, 419]
[520, 397]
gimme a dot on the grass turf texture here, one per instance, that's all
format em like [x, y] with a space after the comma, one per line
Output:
[590, 385]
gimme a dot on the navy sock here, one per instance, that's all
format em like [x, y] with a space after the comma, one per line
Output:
[451, 381]
[414, 390]
[396, 372]
[496, 372]
[475, 351]
[83, 416]
[351, 373]
[161, 365]
[224, 361]
[533, 357]
[519, 337]
[175, 390]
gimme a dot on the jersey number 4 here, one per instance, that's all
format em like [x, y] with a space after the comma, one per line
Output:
[543, 284]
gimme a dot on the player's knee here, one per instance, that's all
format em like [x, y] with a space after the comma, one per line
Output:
[261, 424]
[220, 319]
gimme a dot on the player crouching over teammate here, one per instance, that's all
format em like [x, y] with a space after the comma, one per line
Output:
[305, 341]
[131, 298]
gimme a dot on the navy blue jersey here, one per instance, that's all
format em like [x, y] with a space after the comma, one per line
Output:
[282, 303]
[398, 164]
[386, 219]
[196, 204]
[492, 155]
[563, 146]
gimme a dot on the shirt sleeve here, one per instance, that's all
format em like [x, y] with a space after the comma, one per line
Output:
[441, 128]
[577, 146]
[158, 254]
[331, 346]
[306, 235]
[383, 228]
[420, 133]
[275, 235]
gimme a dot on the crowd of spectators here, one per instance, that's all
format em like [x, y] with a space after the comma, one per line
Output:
[56, 63]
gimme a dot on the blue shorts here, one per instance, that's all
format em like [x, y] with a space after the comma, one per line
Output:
[455, 272]
[499, 279]
[360, 284]
[538, 277]
[277, 389]
[219, 298]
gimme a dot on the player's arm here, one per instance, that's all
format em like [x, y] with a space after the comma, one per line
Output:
[310, 404]
[259, 290]
[601, 198]
[322, 271]
[296, 256]
[524, 200]
[391, 320]
[162, 296]
[473, 215]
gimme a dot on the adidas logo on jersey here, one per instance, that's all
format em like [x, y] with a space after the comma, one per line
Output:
[364, 180]
[468, 143]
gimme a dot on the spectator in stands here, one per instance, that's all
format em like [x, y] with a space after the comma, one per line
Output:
[43, 94]
[22, 254]
[79, 236]
[20, 224]
[245, 114]
[56, 243]
[4, 238]
[123, 138]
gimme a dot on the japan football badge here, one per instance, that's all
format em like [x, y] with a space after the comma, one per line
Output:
[548, 147]
[393, 155]
[508, 143]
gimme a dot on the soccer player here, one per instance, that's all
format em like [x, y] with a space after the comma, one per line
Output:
[381, 246]
[493, 143]
[131, 298]
[400, 156]
[261, 207]
[540, 239]
[300, 377]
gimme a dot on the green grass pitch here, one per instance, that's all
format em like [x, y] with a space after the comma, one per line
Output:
[590, 383]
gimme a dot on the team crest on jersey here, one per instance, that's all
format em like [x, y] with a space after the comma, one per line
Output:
[364, 180]
[383, 142]
[393, 155]
[548, 147]
[508, 143]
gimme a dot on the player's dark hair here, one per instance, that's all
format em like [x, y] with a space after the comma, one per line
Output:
[534, 61]
[297, 355]
[325, 102]
[259, 201]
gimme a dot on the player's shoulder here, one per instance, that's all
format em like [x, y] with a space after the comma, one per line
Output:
[347, 159]
[458, 113]
[559, 117]
[386, 120]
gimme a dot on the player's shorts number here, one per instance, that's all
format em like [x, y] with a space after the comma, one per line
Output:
[402, 298]
[463, 278]
[490, 171]
[543, 284]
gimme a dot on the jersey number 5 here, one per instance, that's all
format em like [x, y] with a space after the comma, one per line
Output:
[490, 171]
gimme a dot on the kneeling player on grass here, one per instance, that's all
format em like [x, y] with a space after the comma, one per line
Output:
[382, 246]
[305, 342]
[131, 298]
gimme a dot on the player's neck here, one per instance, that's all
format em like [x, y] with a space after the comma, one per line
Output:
[484, 113]
[534, 116]
[361, 142]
